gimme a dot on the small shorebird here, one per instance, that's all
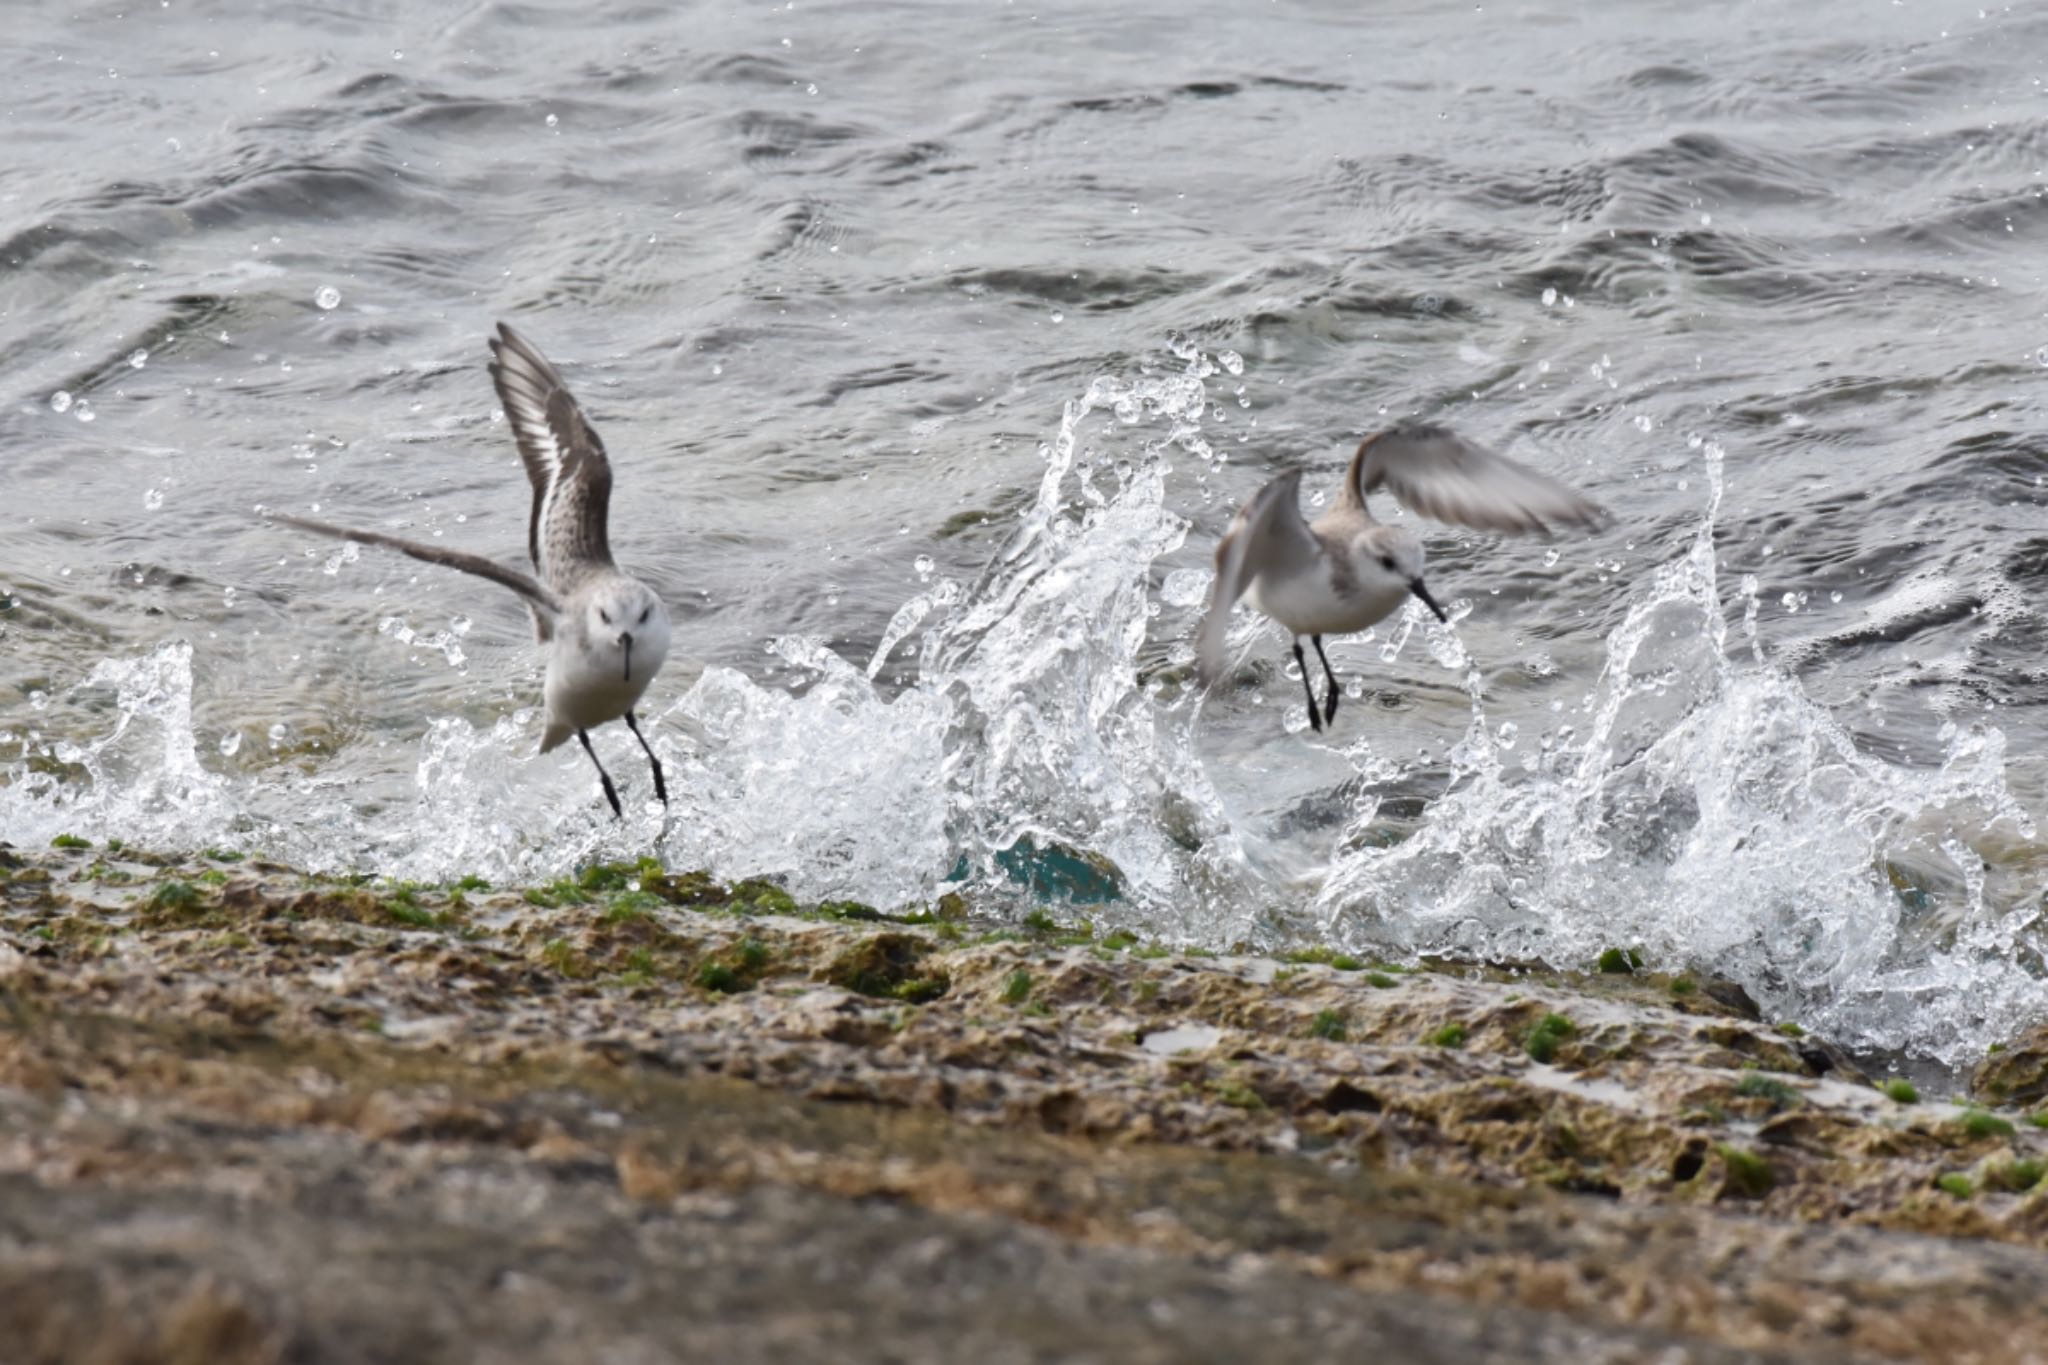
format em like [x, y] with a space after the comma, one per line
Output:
[1344, 571]
[606, 631]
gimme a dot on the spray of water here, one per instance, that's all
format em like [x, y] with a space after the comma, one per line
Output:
[1029, 728]
[1714, 815]
[1700, 806]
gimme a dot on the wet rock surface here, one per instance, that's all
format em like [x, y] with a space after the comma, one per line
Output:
[248, 1115]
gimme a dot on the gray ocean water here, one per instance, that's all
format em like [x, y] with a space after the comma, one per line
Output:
[935, 344]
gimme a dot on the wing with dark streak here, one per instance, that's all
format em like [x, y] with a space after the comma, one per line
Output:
[1440, 474]
[546, 606]
[565, 462]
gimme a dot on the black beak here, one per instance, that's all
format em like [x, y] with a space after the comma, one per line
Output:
[1415, 586]
[626, 643]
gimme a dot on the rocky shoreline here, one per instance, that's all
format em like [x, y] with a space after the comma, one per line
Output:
[248, 1115]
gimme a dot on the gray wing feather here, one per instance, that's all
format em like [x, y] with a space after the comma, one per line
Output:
[565, 461]
[1442, 475]
[1267, 534]
[546, 606]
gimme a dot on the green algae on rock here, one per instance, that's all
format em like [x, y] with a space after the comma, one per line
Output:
[2016, 1073]
[1370, 1139]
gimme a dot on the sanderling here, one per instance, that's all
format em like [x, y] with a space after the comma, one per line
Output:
[1344, 571]
[606, 631]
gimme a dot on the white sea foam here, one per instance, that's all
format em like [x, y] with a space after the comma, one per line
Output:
[1713, 814]
[1700, 804]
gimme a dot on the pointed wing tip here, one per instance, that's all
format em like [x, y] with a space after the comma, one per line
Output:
[509, 339]
[1588, 516]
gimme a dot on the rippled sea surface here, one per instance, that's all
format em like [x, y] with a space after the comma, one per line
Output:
[935, 344]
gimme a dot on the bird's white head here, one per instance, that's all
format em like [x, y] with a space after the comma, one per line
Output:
[1390, 558]
[626, 625]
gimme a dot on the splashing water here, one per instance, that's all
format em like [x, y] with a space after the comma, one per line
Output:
[1716, 816]
[1028, 726]
[1028, 723]
[1710, 812]
[145, 772]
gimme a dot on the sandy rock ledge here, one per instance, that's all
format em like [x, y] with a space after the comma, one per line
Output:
[248, 1115]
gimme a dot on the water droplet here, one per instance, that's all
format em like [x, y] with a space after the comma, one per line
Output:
[60, 401]
[460, 625]
[153, 499]
[279, 733]
[2041, 356]
[1834, 597]
[82, 410]
[38, 700]
[137, 358]
[554, 121]
[1231, 361]
[229, 743]
[328, 298]
[924, 564]
[811, 89]
[1509, 731]
[1184, 588]
[1645, 422]
[397, 54]
[1550, 298]
[1550, 558]
[1058, 316]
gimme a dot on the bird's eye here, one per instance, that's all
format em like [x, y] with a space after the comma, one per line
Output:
[1386, 561]
[604, 616]
[645, 612]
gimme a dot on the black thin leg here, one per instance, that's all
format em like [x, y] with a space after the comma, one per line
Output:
[611, 793]
[1330, 697]
[660, 787]
[1315, 718]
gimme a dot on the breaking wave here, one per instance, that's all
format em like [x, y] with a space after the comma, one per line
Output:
[1698, 805]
